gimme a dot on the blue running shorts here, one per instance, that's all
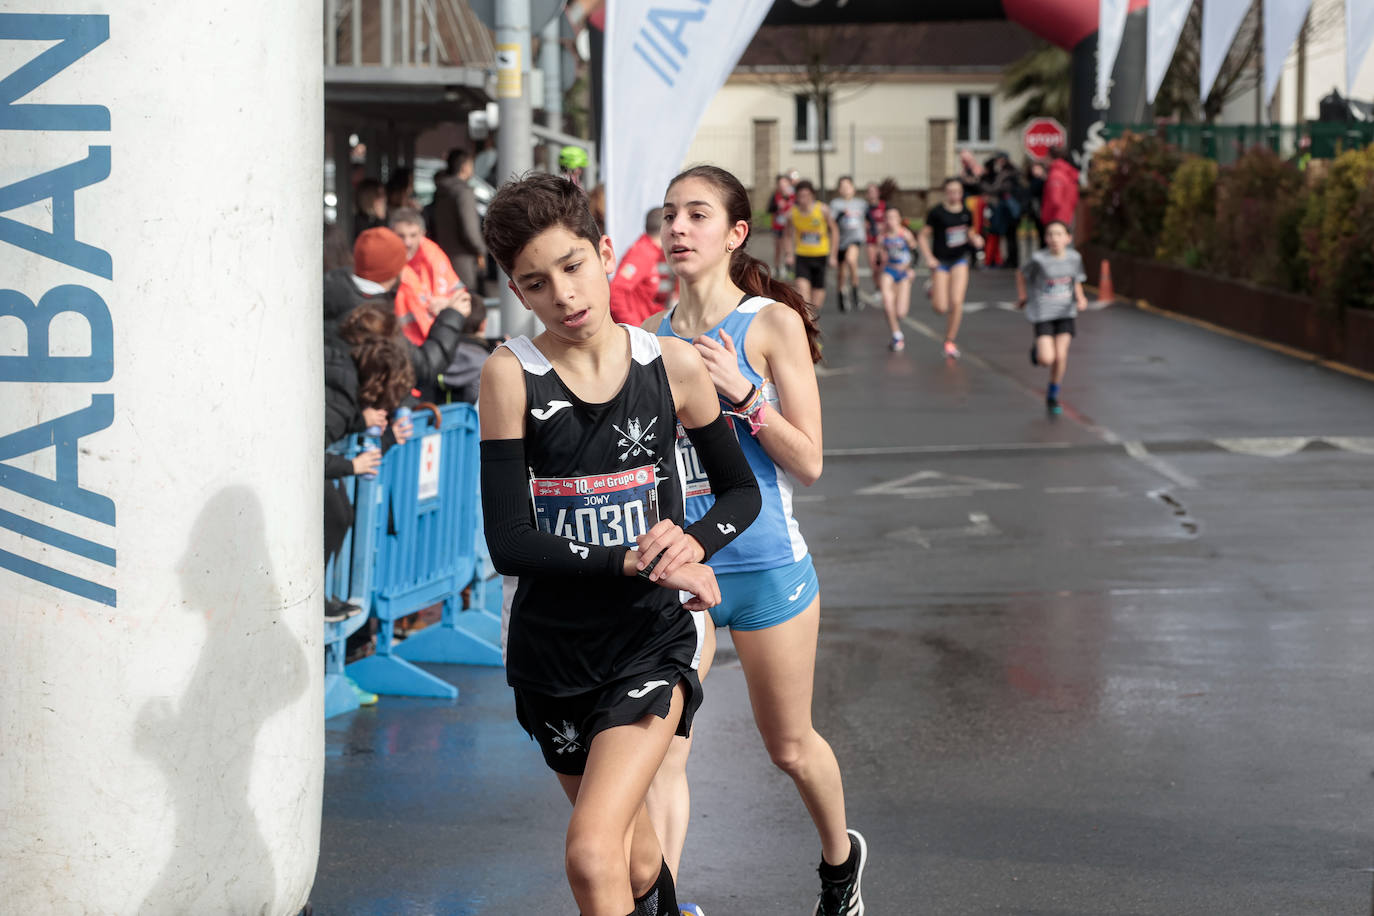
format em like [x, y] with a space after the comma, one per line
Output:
[758, 600]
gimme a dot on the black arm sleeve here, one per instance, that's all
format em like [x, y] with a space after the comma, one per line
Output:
[517, 547]
[732, 482]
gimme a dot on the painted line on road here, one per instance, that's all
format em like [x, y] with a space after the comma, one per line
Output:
[1251, 447]
[1001, 447]
[1137, 450]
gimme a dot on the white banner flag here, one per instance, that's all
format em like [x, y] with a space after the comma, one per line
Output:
[665, 61]
[1165, 19]
[1221, 20]
[1111, 25]
[1283, 20]
[1359, 35]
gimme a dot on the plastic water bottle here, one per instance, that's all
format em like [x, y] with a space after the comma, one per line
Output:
[372, 441]
[400, 416]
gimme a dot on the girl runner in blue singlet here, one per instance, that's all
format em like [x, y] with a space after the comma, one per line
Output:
[759, 341]
[896, 260]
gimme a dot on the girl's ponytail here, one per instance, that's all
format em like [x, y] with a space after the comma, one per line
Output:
[753, 276]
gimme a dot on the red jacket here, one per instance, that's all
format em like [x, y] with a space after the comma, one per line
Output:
[1061, 193]
[642, 284]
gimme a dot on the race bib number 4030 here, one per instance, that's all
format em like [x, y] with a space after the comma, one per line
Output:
[608, 510]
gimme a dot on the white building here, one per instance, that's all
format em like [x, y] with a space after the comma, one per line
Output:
[911, 94]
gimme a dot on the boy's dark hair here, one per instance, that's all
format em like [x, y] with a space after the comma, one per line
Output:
[472, 325]
[1059, 222]
[529, 205]
[804, 185]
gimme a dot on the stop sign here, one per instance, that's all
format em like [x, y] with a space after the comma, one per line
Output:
[1042, 135]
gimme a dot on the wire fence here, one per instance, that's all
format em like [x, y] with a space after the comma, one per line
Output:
[1226, 142]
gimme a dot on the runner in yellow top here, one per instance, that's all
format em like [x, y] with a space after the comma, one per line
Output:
[813, 229]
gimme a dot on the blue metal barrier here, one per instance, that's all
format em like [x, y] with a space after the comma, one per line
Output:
[348, 576]
[428, 550]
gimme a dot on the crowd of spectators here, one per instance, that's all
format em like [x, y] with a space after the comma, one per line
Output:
[401, 324]
[1000, 196]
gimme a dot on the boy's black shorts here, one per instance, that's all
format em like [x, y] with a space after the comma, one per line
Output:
[564, 726]
[812, 270]
[1056, 327]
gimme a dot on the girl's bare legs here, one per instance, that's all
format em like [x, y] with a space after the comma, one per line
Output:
[779, 666]
[958, 286]
[889, 293]
[903, 297]
[939, 291]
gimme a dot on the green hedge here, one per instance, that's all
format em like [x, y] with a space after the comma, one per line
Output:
[1260, 218]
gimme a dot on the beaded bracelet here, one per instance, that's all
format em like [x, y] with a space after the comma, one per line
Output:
[751, 409]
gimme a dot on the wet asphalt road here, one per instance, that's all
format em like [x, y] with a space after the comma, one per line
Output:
[1113, 662]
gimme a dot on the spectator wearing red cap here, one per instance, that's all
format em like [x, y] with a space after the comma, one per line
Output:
[379, 265]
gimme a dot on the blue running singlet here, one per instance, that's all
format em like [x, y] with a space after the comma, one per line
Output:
[774, 539]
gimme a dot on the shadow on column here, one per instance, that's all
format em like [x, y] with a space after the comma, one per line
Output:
[250, 667]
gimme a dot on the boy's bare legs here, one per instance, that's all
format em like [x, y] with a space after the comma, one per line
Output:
[1061, 357]
[1045, 353]
[608, 808]
[670, 799]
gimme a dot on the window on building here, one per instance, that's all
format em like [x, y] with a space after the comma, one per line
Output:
[975, 118]
[812, 122]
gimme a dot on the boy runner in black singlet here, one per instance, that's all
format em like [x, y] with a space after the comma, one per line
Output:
[583, 505]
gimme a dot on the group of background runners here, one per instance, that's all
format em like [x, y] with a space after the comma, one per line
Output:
[810, 237]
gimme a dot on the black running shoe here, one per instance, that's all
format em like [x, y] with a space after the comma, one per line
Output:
[336, 611]
[1052, 405]
[843, 897]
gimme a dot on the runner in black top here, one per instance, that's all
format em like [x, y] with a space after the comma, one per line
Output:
[947, 241]
[583, 505]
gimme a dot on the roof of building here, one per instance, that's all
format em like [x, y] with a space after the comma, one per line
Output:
[923, 46]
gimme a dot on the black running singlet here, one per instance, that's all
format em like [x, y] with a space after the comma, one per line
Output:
[599, 474]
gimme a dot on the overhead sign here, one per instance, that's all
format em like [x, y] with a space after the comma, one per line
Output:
[1043, 135]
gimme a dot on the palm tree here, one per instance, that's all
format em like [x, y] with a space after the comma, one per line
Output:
[1040, 80]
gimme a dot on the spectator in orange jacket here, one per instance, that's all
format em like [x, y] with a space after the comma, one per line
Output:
[429, 284]
[643, 285]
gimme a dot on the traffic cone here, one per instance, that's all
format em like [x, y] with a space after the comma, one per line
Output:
[1105, 294]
